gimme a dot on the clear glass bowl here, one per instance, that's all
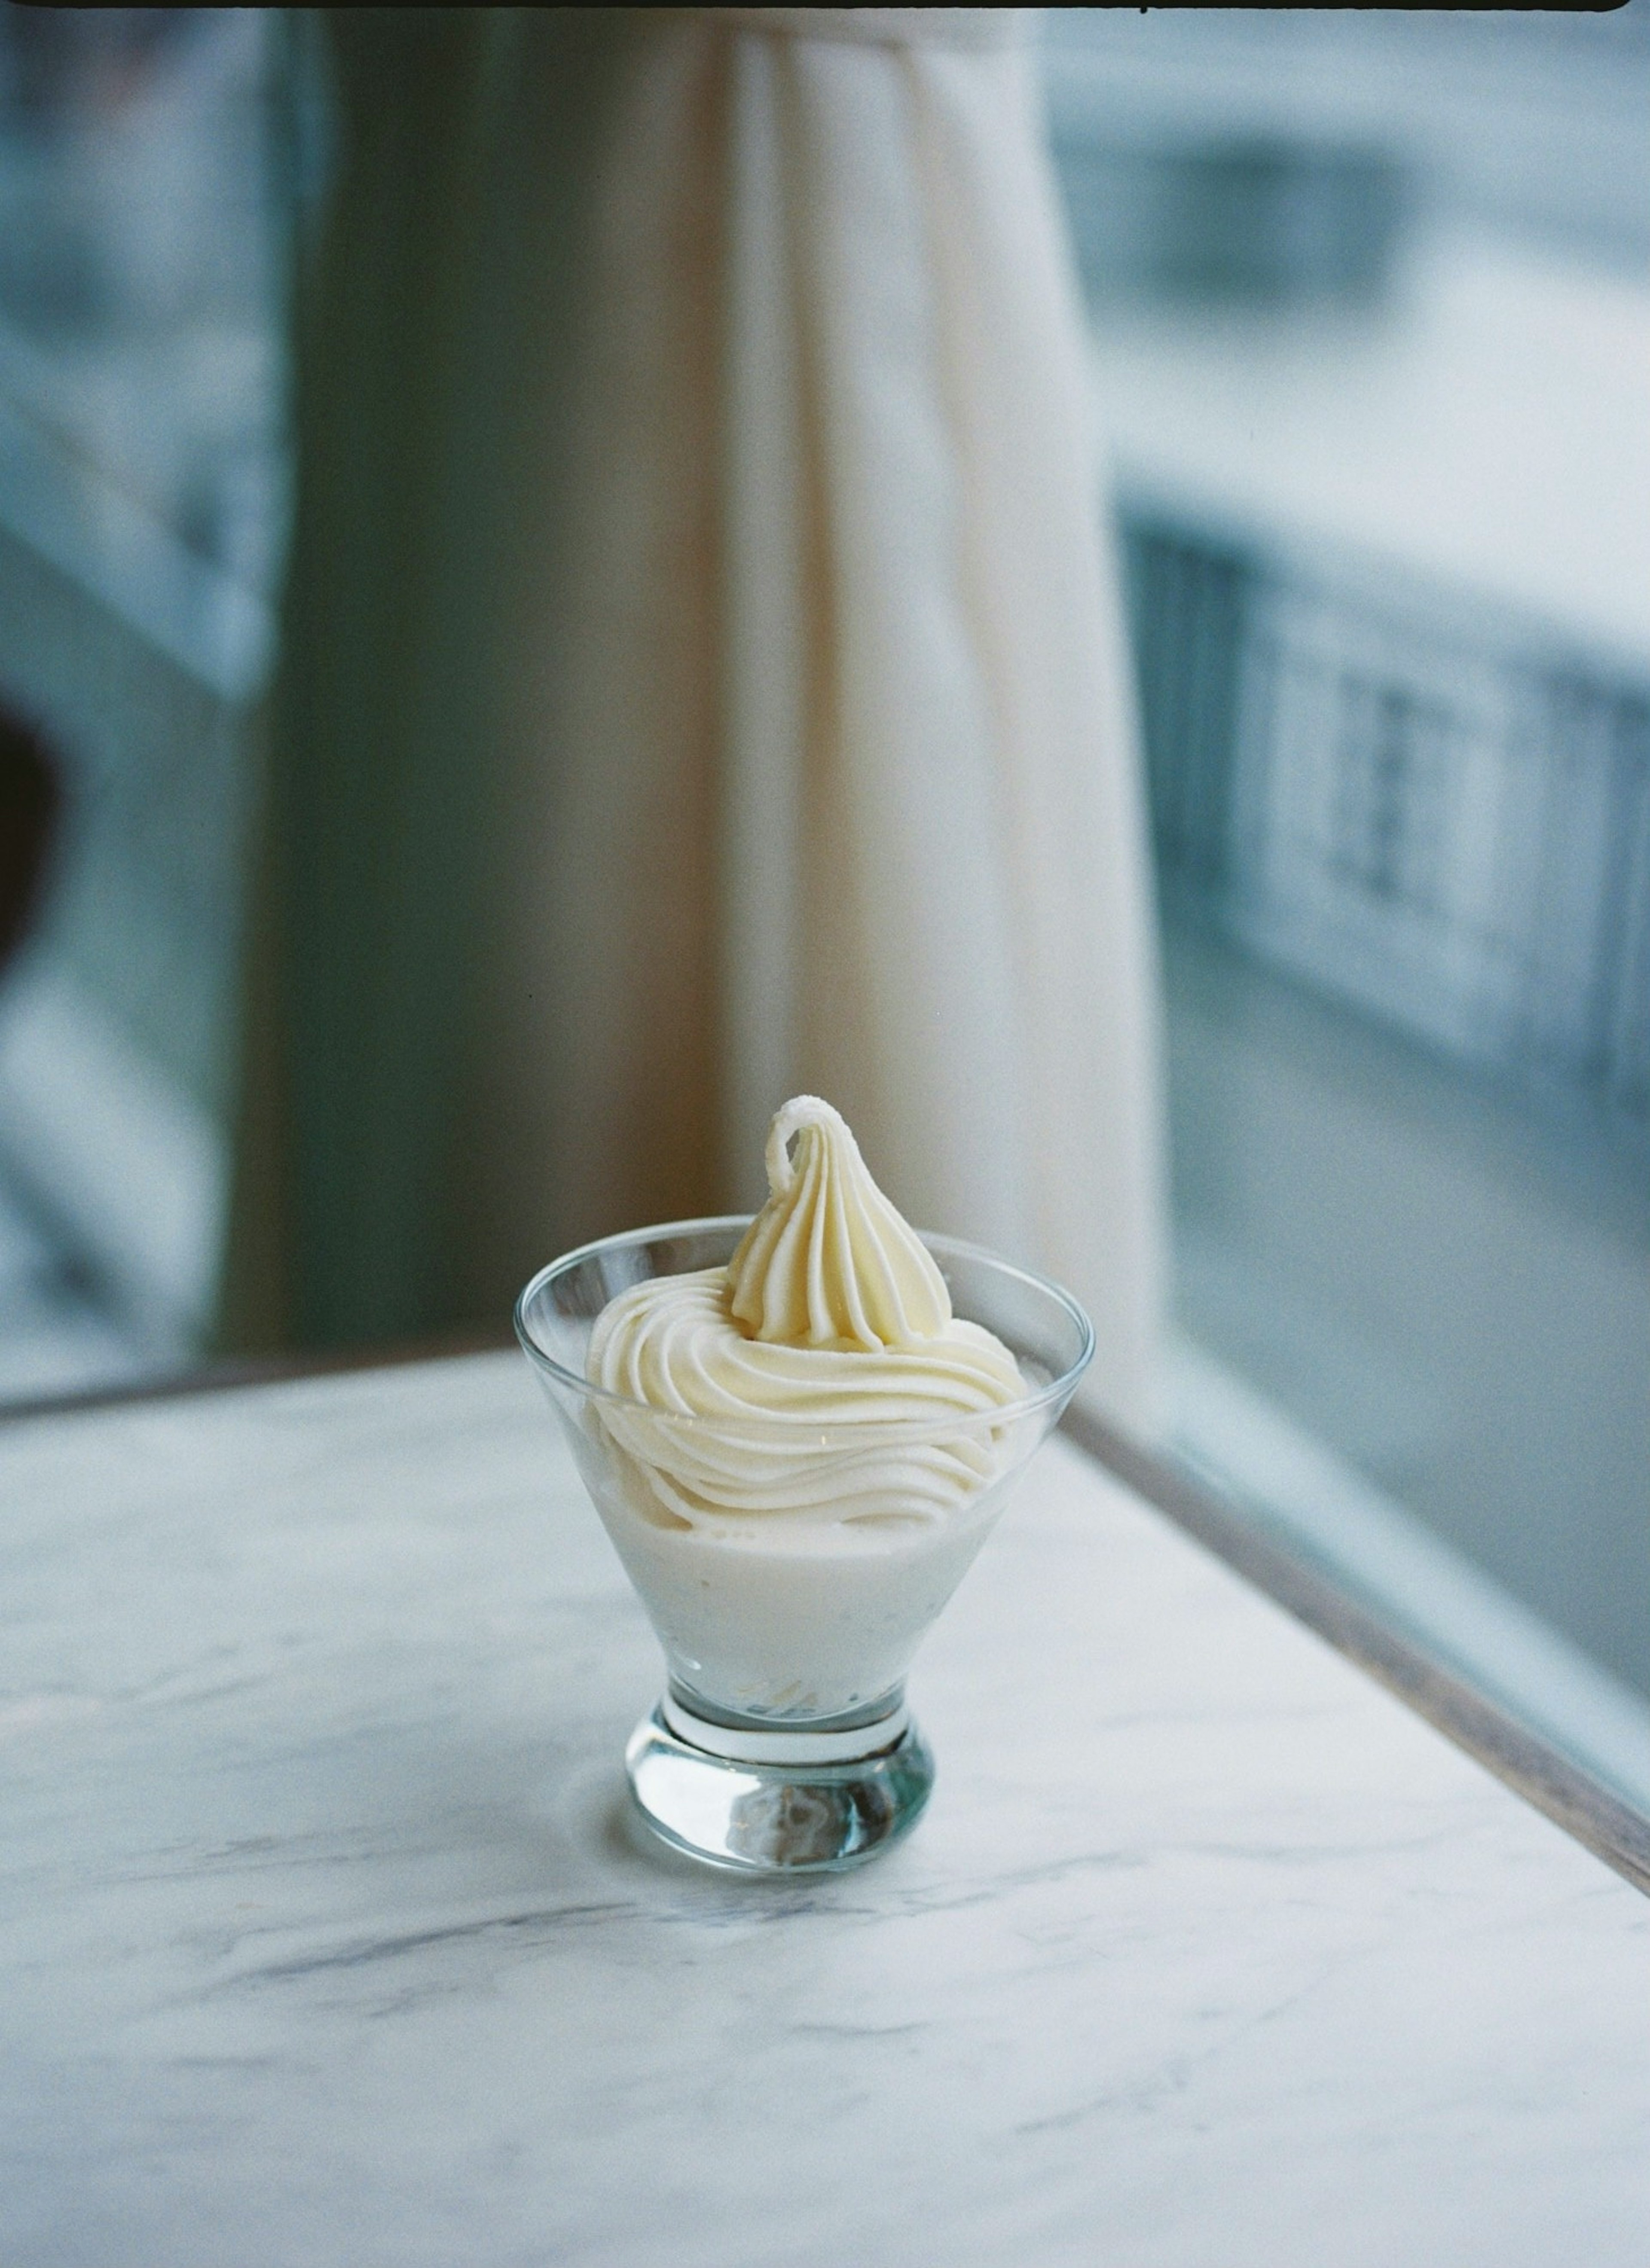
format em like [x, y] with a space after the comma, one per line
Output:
[783, 1743]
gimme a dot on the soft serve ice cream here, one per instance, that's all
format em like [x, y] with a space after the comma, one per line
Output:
[790, 1567]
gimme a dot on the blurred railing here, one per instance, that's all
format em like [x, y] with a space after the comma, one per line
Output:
[1417, 806]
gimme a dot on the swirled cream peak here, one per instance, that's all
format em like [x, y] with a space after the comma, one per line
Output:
[831, 1314]
[827, 1261]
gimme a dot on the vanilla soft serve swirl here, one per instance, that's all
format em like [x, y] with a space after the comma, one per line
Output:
[831, 1313]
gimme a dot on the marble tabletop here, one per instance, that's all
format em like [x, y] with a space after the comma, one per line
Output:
[324, 1938]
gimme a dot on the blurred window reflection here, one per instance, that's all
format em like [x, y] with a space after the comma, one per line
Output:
[1370, 300]
[147, 162]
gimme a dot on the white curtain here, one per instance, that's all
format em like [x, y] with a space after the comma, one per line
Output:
[828, 633]
[704, 677]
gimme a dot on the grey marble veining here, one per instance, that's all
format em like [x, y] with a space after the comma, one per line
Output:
[324, 1939]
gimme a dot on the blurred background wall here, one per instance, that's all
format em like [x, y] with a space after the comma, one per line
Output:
[1369, 300]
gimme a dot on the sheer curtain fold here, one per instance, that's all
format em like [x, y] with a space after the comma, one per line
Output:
[799, 687]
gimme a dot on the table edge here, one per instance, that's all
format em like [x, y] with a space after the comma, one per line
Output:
[1589, 1812]
[1519, 1758]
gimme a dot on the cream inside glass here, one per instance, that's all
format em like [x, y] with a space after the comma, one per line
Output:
[798, 1444]
[789, 1571]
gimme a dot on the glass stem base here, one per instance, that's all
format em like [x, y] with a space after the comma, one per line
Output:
[777, 1799]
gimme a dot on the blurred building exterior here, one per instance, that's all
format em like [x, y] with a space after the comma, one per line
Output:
[1372, 324]
[146, 174]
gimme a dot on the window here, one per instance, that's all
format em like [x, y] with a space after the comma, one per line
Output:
[145, 167]
[1371, 310]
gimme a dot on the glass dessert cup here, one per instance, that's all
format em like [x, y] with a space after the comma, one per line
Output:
[782, 1743]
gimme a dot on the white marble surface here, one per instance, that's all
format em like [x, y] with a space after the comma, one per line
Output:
[322, 1938]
